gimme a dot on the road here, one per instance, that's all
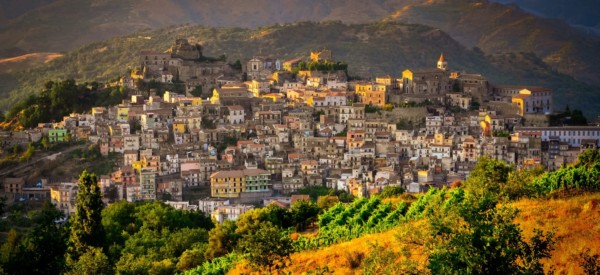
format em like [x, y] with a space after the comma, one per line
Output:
[37, 158]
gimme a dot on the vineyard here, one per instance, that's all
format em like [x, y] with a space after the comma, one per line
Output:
[217, 266]
[570, 177]
[344, 222]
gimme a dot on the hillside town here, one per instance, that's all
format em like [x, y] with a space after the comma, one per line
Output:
[260, 133]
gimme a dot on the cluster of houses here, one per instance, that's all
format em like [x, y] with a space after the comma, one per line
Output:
[285, 129]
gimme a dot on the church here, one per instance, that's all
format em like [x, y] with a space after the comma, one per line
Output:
[427, 81]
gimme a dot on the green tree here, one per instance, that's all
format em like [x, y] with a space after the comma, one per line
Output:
[391, 191]
[197, 91]
[327, 201]
[86, 224]
[93, 261]
[489, 175]
[45, 143]
[477, 237]
[29, 152]
[13, 254]
[520, 183]
[191, 258]
[221, 240]
[267, 246]
[304, 213]
[164, 267]
[589, 157]
[47, 242]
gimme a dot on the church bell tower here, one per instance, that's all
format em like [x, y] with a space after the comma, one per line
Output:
[442, 64]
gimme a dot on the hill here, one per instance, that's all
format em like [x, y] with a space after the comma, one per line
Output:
[575, 13]
[492, 27]
[44, 28]
[369, 49]
[572, 219]
[497, 28]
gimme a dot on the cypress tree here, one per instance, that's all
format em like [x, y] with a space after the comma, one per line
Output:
[86, 224]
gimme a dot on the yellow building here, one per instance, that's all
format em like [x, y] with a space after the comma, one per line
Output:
[291, 64]
[369, 93]
[179, 127]
[122, 113]
[273, 96]
[384, 80]
[229, 184]
[323, 55]
[520, 101]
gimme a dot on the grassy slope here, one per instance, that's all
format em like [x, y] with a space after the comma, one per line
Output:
[26, 61]
[572, 219]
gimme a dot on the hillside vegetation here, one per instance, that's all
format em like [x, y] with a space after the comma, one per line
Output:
[499, 221]
[368, 49]
[572, 220]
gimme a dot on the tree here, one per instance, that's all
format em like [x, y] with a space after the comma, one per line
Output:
[590, 263]
[489, 175]
[2, 205]
[41, 251]
[93, 261]
[221, 240]
[29, 152]
[86, 224]
[45, 143]
[391, 191]
[267, 246]
[13, 255]
[164, 267]
[197, 91]
[304, 213]
[477, 237]
[327, 201]
[48, 242]
[191, 258]
[520, 183]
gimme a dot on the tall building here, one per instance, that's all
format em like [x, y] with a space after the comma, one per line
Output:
[148, 184]
[229, 184]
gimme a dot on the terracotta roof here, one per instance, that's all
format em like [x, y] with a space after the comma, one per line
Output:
[238, 173]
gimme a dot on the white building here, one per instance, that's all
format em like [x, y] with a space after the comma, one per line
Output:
[572, 135]
[230, 212]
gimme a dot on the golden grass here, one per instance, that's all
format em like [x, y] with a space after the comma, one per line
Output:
[574, 221]
[341, 258]
[26, 61]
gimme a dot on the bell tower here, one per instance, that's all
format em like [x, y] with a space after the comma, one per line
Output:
[442, 64]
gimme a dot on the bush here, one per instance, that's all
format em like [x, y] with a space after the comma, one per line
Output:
[267, 246]
[391, 191]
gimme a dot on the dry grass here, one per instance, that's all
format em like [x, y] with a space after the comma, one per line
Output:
[26, 61]
[345, 258]
[573, 220]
